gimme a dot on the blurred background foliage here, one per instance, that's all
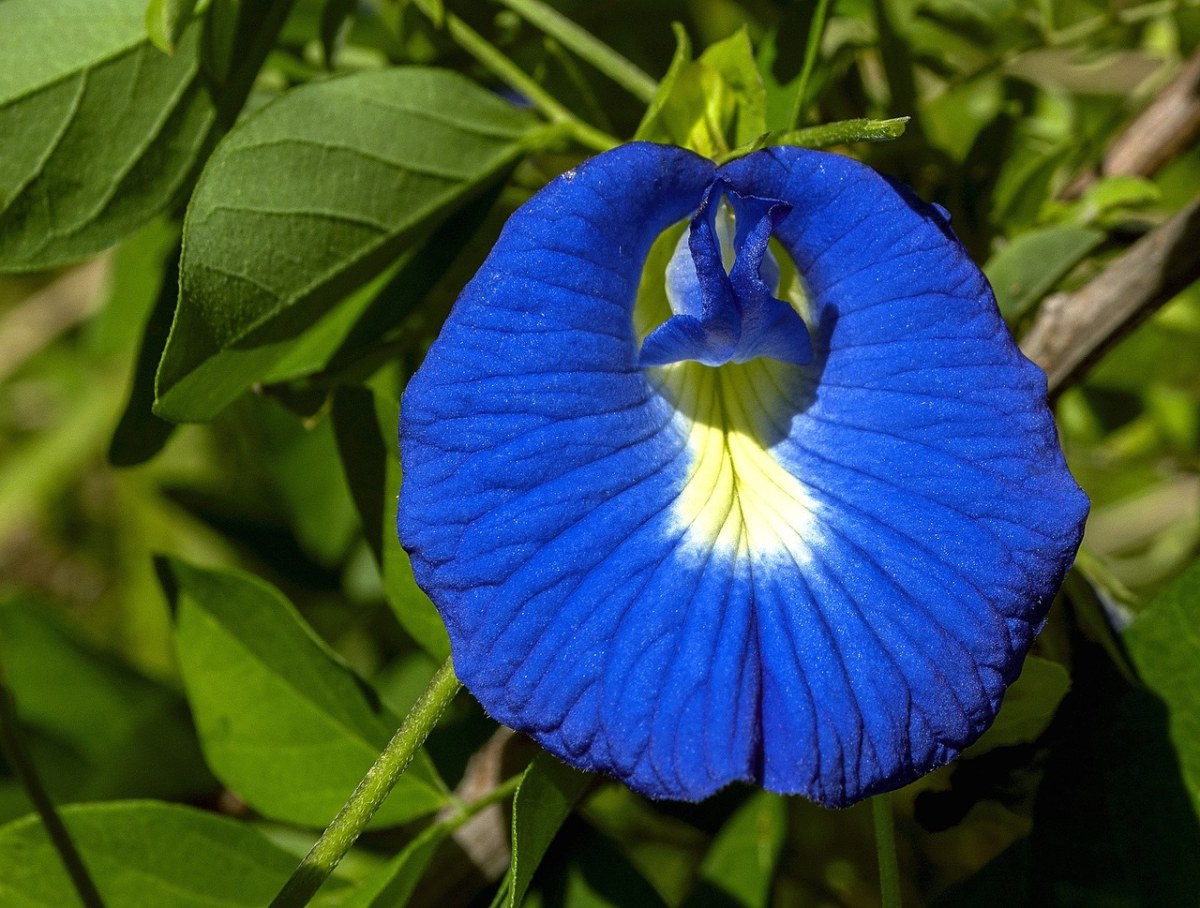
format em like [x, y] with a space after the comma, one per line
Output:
[135, 680]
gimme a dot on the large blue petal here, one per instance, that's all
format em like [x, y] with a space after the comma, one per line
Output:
[947, 515]
[819, 576]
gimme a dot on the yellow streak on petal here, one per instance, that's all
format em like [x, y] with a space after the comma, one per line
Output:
[737, 497]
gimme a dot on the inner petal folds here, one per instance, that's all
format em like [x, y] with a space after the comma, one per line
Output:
[722, 284]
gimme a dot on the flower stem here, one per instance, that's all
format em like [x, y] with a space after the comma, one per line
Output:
[816, 31]
[12, 745]
[346, 827]
[587, 46]
[518, 80]
[885, 846]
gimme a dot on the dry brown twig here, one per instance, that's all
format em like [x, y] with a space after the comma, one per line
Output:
[1163, 128]
[1073, 330]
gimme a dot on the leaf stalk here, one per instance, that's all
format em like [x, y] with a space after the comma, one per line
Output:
[587, 47]
[504, 69]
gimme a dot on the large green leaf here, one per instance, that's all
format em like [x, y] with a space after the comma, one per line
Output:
[1112, 823]
[101, 129]
[1164, 645]
[365, 426]
[308, 199]
[283, 722]
[142, 853]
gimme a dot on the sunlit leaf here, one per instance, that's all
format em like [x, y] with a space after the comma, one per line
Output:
[712, 104]
[1031, 265]
[283, 722]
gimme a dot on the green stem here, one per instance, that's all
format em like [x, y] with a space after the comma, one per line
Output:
[346, 827]
[816, 31]
[1130, 15]
[12, 744]
[501, 792]
[897, 60]
[587, 46]
[518, 80]
[885, 845]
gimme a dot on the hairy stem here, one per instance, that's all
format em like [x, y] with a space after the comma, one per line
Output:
[816, 31]
[346, 827]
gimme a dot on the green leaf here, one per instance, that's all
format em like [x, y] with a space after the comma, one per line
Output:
[1028, 706]
[102, 130]
[84, 708]
[140, 434]
[711, 105]
[365, 426]
[166, 21]
[283, 722]
[1164, 645]
[143, 853]
[1112, 196]
[308, 199]
[1030, 266]
[545, 798]
[352, 335]
[740, 866]
[286, 454]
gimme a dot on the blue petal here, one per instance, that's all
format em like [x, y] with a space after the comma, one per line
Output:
[819, 576]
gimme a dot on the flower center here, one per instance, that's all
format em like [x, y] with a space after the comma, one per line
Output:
[728, 360]
[739, 496]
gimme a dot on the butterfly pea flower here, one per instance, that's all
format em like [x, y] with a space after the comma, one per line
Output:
[788, 509]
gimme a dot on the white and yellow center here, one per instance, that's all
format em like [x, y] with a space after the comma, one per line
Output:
[737, 496]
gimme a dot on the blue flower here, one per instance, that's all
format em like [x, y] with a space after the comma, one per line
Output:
[796, 523]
